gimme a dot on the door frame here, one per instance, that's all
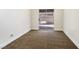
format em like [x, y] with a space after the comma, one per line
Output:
[58, 19]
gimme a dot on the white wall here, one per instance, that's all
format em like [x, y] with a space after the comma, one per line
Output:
[71, 25]
[58, 19]
[13, 21]
[35, 19]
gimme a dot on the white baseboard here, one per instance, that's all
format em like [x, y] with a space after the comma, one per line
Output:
[11, 40]
[72, 39]
[58, 29]
[34, 29]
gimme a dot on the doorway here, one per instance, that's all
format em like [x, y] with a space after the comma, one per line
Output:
[46, 19]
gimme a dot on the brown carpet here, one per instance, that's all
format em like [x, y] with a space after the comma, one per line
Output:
[42, 39]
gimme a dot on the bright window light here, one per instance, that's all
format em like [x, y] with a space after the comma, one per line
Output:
[43, 22]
